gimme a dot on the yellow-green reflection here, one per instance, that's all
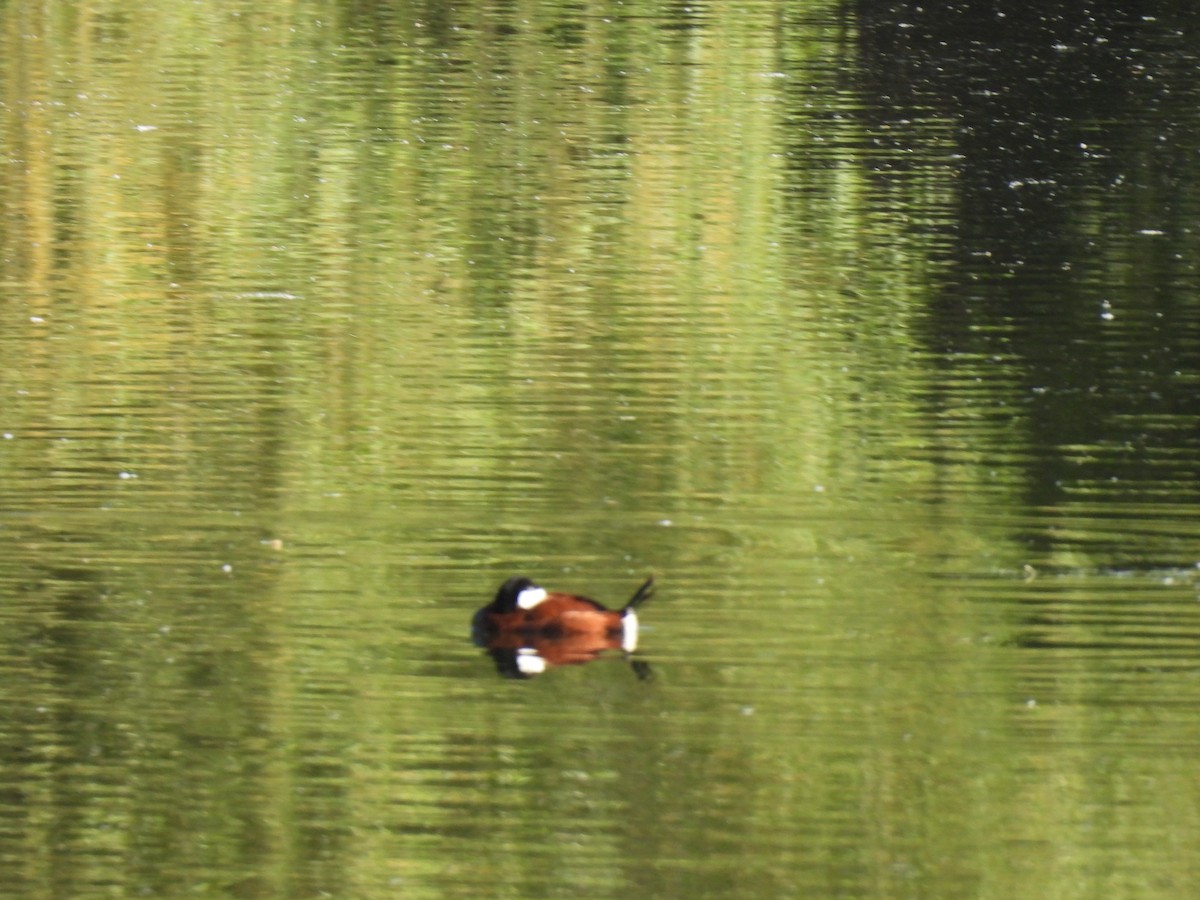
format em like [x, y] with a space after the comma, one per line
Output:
[321, 320]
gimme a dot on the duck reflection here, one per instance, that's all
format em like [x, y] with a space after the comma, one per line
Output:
[527, 629]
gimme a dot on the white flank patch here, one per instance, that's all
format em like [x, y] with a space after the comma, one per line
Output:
[629, 635]
[531, 597]
[529, 663]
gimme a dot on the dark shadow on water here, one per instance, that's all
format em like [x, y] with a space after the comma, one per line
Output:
[526, 662]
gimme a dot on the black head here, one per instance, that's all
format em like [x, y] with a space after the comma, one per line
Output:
[506, 597]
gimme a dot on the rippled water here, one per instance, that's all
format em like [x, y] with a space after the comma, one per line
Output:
[871, 332]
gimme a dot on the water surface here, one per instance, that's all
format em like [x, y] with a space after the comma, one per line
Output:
[871, 332]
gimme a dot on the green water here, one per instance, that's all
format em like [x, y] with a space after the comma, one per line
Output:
[319, 321]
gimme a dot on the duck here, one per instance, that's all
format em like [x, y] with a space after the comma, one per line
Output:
[528, 629]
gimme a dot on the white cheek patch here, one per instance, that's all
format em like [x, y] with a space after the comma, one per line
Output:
[629, 631]
[531, 597]
[529, 663]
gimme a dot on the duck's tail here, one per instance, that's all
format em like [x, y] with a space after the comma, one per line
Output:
[641, 595]
[629, 619]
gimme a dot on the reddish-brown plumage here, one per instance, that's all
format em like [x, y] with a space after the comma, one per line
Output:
[527, 629]
[558, 616]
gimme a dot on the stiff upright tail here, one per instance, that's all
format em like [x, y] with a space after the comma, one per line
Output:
[641, 595]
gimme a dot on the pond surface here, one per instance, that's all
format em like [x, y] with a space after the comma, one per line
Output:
[872, 332]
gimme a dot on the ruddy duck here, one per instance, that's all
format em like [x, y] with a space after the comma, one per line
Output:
[528, 629]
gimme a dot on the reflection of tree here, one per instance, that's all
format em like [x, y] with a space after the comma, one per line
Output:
[1076, 152]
